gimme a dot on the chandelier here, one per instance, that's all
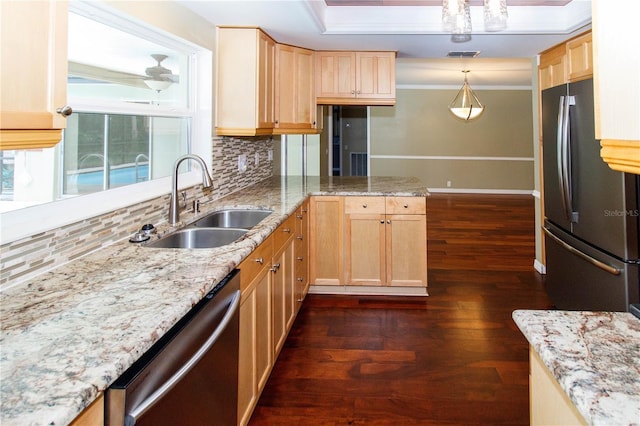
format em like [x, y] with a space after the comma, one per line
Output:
[466, 105]
[456, 17]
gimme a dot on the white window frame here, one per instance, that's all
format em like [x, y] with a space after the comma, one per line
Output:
[28, 221]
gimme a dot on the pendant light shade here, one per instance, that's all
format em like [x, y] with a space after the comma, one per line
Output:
[466, 105]
[456, 16]
[495, 15]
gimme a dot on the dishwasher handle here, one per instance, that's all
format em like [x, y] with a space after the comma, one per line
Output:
[136, 412]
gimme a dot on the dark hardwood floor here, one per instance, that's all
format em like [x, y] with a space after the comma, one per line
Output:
[455, 357]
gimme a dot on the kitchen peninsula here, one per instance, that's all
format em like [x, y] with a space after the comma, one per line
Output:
[594, 357]
[69, 333]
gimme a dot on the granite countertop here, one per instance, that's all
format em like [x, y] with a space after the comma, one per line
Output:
[69, 333]
[594, 356]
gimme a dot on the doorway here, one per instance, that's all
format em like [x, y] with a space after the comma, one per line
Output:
[348, 150]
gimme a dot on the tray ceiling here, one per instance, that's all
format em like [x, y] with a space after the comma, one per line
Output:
[413, 29]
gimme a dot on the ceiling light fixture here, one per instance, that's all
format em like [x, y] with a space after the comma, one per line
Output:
[466, 105]
[495, 15]
[456, 17]
[158, 77]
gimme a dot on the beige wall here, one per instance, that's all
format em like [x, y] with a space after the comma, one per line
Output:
[420, 130]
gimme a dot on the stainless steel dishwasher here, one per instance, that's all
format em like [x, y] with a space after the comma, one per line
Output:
[190, 376]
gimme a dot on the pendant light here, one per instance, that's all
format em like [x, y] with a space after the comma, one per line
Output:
[495, 15]
[466, 105]
[456, 16]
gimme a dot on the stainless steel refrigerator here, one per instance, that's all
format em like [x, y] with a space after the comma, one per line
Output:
[591, 212]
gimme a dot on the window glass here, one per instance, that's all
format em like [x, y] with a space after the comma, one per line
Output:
[104, 151]
[109, 66]
[130, 90]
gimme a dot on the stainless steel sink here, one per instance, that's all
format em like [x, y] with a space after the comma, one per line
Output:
[232, 218]
[194, 238]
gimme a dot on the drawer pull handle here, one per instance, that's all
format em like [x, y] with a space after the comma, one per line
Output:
[260, 260]
[300, 258]
[364, 206]
[304, 210]
[299, 216]
[287, 230]
[406, 206]
[299, 237]
[300, 279]
[388, 220]
[382, 221]
[275, 267]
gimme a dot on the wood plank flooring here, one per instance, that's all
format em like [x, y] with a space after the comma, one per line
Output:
[453, 358]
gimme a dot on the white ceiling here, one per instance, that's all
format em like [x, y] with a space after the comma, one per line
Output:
[414, 32]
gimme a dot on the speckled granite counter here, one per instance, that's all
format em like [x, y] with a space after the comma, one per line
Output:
[69, 333]
[594, 356]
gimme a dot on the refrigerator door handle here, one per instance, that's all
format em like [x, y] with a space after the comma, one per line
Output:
[560, 152]
[608, 268]
[566, 161]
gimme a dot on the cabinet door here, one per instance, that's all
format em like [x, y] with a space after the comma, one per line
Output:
[283, 295]
[33, 82]
[295, 91]
[365, 249]
[301, 253]
[336, 75]
[406, 250]
[580, 58]
[263, 325]
[552, 70]
[247, 368]
[616, 66]
[326, 233]
[245, 61]
[266, 81]
[375, 77]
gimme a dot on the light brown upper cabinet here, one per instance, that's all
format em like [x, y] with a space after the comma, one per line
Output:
[553, 67]
[33, 82]
[295, 100]
[355, 78]
[245, 82]
[566, 62]
[580, 58]
[616, 74]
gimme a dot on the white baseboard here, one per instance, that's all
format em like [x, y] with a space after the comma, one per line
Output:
[482, 191]
[538, 266]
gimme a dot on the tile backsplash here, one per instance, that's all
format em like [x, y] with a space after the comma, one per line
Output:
[26, 258]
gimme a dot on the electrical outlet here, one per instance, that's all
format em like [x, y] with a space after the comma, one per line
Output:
[448, 184]
[242, 163]
[270, 155]
[257, 158]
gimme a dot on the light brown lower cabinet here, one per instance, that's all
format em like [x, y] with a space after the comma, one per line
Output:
[255, 355]
[267, 311]
[93, 415]
[301, 253]
[386, 241]
[326, 234]
[549, 404]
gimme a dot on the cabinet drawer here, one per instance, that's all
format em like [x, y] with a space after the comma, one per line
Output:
[285, 231]
[372, 205]
[251, 266]
[406, 205]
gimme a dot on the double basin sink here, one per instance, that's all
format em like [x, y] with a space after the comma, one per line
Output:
[216, 229]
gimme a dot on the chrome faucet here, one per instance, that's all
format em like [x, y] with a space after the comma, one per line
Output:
[207, 182]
